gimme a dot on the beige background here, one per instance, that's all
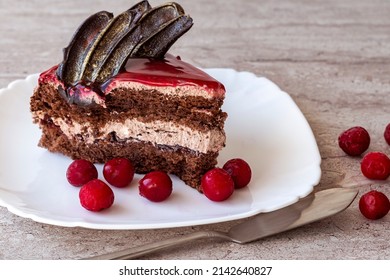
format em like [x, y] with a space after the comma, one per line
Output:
[332, 57]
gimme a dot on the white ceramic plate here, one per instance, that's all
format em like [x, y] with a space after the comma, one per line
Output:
[264, 127]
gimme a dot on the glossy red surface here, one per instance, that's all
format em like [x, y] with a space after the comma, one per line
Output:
[168, 72]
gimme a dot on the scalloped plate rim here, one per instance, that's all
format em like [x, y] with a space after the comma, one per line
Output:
[14, 208]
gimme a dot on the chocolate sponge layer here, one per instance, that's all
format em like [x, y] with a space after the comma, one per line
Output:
[146, 106]
[187, 165]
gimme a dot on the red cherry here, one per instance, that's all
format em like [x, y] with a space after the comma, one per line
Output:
[80, 172]
[217, 184]
[240, 172]
[376, 166]
[118, 172]
[354, 141]
[155, 186]
[387, 134]
[374, 205]
[96, 196]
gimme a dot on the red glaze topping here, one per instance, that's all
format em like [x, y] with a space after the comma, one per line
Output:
[49, 76]
[168, 72]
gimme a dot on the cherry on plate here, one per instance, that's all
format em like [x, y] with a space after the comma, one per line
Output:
[80, 172]
[354, 141]
[96, 195]
[375, 166]
[217, 184]
[374, 205]
[118, 172]
[155, 186]
[240, 172]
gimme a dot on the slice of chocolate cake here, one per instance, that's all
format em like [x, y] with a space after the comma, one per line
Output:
[118, 93]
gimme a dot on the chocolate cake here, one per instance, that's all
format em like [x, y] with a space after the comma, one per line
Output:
[118, 93]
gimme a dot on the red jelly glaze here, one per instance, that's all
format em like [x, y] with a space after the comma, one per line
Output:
[49, 76]
[170, 71]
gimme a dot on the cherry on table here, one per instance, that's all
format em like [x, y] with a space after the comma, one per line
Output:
[387, 134]
[374, 205]
[354, 141]
[375, 166]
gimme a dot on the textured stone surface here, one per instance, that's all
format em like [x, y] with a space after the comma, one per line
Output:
[332, 57]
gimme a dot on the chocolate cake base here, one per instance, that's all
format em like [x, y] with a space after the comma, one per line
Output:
[187, 165]
[167, 117]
